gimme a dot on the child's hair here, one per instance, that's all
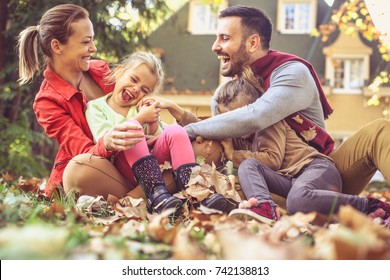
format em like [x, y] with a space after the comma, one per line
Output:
[54, 24]
[246, 86]
[134, 60]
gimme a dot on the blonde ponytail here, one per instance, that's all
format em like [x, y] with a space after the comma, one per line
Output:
[28, 55]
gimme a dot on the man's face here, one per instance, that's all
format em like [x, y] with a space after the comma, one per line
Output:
[230, 46]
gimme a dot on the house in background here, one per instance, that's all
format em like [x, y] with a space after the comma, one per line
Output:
[345, 65]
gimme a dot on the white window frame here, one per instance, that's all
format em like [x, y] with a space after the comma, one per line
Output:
[194, 26]
[347, 57]
[281, 16]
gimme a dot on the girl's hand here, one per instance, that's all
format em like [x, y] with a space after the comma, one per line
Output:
[175, 110]
[123, 136]
[149, 112]
[227, 145]
[151, 139]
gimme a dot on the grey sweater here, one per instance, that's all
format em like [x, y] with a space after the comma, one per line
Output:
[292, 89]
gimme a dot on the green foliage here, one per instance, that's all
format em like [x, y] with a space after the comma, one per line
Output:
[120, 26]
[16, 153]
[16, 207]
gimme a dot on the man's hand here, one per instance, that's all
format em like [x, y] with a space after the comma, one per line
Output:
[227, 145]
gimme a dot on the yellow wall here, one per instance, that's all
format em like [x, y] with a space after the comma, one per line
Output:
[350, 113]
[196, 104]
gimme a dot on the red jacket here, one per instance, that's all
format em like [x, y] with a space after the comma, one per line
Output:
[59, 109]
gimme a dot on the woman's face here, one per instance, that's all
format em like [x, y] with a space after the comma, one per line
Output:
[76, 53]
[132, 85]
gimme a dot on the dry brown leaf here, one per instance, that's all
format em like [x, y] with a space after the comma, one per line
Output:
[131, 201]
[112, 199]
[356, 220]
[90, 203]
[245, 246]
[198, 191]
[165, 166]
[55, 209]
[108, 220]
[205, 180]
[132, 228]
[290, 227]
[7, 177]
[30, 184]
[185, 248]
[130, 212]
[356, 237]
[341, 242]
[160, 228]
[205, 221]
[152, 250]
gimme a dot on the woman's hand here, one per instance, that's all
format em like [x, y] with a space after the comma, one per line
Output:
[123, 136]
[227, 145]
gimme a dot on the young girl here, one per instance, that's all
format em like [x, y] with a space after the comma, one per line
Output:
[276, 160]
[137, 76]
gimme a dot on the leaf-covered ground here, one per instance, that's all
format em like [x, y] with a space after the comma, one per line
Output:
[34, 227]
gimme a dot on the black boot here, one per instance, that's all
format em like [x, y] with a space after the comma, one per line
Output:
[182, 176]
[148, 174]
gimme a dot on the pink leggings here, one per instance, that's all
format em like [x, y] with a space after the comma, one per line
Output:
[173, 145]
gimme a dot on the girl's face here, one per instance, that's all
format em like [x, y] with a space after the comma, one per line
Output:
[132, 85]
[77, 52]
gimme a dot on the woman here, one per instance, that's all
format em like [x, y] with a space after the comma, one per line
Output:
[65, 36]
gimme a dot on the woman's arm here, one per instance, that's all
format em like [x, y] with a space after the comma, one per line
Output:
[74, 136]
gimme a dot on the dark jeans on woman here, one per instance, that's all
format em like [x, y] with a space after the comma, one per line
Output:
[317, 187]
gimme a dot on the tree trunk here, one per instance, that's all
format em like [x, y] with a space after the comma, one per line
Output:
[3, 22]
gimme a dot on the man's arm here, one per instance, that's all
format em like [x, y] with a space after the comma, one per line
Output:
[292, 89]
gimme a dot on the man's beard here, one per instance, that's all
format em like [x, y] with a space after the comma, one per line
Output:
[241, 59]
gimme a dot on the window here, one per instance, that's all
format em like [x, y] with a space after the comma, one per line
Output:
[348, 75]
[296, 17]
[347, 66]
[203, 17]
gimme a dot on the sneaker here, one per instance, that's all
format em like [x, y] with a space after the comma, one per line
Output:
[216, 201]
[378, 209]
[264, 212]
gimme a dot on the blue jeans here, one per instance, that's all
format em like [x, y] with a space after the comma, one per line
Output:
[317, 187]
